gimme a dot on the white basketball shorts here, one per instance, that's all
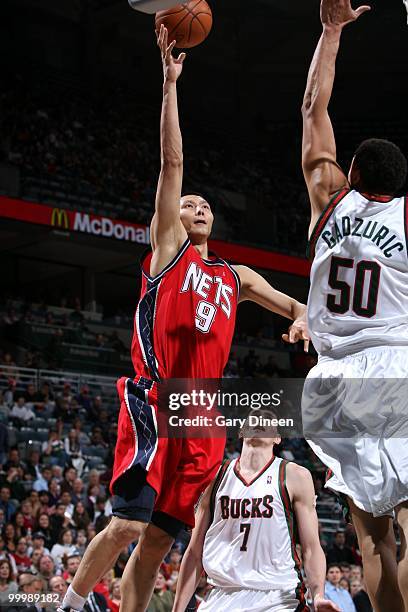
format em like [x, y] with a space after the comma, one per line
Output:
[248, 600]
[355, 418]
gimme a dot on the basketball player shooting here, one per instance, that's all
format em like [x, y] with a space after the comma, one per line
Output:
[357, 316]
[244, 535]
[184, 326]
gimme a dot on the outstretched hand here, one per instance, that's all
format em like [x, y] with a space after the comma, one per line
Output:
[172, 67]
[338, 13]
[325, 605]
[297, 332]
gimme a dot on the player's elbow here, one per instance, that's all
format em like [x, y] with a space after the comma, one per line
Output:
[171, 160]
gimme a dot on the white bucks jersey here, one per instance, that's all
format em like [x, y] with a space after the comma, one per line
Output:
[250, 542]
[359, 280]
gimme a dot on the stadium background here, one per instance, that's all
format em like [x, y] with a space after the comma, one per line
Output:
[80, 104]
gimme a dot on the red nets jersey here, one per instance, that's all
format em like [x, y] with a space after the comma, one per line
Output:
[185, 318]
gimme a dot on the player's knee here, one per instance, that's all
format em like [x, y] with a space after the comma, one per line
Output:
[156, 543]
[124, 532]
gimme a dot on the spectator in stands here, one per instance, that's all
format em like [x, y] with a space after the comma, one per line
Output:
[344, 584]
[66, 499]
[14, 459]
[71, 563]
[345, 570]
[81, 541]
[70, 474]
[64, 547]
[78, 490]
[33, 465]
[95, 408]
[20, 414]
[83, 438]
[10, 538]
[46, 568]
[172, 568]
[80, 517]
[30, 396]
[335, 592]
[339, 552]
[72, 445]
[27, 510]
[54, 491]
[58, 521]
[43, 526]
[84, 399]
[6, 505]
[356, 573]
[97, 438]
[162, 599]
[18, 522]
[35, 560]
[23, 561]
[360, 598]
[8, 585]
[114, 603]
[43, 480]
[58, 585]
[38, 544]
[54, 448]
[14, 477]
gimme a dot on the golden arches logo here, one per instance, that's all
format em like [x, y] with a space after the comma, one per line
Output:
[59, 218]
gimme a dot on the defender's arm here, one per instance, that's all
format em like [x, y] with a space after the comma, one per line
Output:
[255, 288]
[192, 565]
[322, 173]
[301, 491]
[167, 231]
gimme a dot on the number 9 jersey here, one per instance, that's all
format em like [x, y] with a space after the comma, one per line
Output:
[359, 279]
[185, 319]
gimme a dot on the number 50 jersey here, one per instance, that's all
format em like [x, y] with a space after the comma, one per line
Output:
[185, 319]
[359, 279]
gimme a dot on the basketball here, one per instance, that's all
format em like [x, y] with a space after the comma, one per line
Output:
[188, 23]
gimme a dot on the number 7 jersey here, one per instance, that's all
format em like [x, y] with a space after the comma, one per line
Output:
[250, 543]
[359, 279]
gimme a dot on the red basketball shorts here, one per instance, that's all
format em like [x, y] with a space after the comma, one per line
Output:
[178, 470]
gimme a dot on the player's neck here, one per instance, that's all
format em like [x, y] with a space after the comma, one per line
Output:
[202, 250]
[254, 458]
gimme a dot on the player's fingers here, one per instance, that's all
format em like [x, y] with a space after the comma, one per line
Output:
[165, 37]
[181, 58]
[293, 335]
[170, 49]
[306, 345]
[362, 9]
[285, 337]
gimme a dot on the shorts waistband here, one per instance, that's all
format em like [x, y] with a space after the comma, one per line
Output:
[364, 351]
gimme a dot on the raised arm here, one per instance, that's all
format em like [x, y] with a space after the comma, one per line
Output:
[167, 231]
[302, 494]
[323, 175]
[192, 564]
[256, 289]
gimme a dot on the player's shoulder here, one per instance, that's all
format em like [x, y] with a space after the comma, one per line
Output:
[297, 472]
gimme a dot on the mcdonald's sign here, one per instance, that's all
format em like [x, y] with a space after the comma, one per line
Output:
[59, 218]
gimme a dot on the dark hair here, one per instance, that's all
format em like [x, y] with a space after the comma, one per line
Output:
[199, 195]
[8, 563]
[331, 565]
[382, 167]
